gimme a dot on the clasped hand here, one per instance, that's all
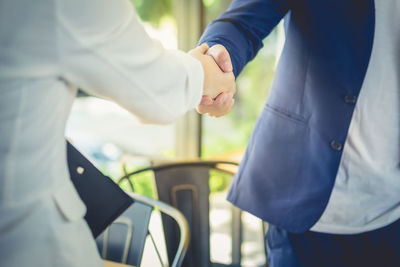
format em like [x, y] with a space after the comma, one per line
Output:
[219, 81]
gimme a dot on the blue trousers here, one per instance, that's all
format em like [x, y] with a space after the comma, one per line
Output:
[378, 248]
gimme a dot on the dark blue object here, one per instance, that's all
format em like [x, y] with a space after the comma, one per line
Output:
[380, 247]
[293, 155]
[126, 237]
[103, 198]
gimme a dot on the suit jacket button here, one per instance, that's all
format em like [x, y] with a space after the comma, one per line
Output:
[336, 145]
[350, 99]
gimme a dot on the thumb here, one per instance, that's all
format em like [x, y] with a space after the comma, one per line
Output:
[221, 57]
[203, 48]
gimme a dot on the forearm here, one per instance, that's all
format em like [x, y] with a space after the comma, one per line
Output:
[114, 58]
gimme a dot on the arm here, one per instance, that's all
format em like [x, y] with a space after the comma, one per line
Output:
[235, 38]
[242, 28]
[104, 50]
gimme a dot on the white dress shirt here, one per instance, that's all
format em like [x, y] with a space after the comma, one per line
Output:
[49, 48]
[366, 195]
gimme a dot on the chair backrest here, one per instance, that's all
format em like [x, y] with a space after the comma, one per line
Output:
[185, 186]
[124, 240]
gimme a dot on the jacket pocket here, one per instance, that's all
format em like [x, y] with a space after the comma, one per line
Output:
[276, 155]
[286, 114]
[69, 203]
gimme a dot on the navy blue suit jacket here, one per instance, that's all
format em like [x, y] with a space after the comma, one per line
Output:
[293, 155]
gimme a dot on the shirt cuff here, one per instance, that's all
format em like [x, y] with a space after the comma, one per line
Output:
[194, 79]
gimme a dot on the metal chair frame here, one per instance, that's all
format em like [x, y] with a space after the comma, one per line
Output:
[179, 218]
[216, 165]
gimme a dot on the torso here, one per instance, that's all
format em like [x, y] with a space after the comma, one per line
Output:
[366, 192]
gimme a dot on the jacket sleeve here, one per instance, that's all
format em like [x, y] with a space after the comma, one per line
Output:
[104, 49]
[243, 26]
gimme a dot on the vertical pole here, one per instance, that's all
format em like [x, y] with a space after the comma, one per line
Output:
[189, 18]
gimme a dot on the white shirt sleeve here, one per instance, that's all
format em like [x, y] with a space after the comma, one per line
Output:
[104, 50]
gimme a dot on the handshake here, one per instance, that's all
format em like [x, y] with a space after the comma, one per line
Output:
[219, 81]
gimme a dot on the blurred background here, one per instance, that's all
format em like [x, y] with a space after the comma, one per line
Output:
[115, 141]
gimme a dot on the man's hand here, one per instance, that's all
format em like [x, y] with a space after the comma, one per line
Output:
[224, 102]
[221, 57]
[215, 81]
[218, 107]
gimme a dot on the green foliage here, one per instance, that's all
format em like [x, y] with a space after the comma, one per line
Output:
[214, 8]
[219, 181]
[153, 11]
[125, 186]
[143, 182]
[232, 132]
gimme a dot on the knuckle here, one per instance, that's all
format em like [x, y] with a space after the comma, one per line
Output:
[220, 55]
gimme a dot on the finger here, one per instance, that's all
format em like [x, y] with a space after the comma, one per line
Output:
[203, 48]
[206, 100]
[203, 109]
[227, 108]
[229, 98]
[223, 108]
[211, 109]
[221, 98]
[221, 57]
[220, 106]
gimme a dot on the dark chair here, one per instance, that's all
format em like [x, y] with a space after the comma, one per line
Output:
[185, 186]
[124, 240]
